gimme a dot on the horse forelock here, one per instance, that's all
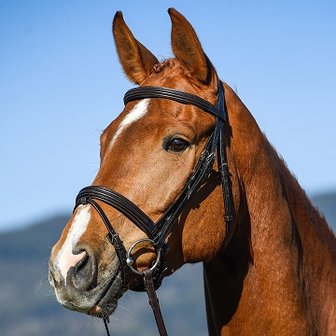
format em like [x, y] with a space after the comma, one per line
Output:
[176, 70]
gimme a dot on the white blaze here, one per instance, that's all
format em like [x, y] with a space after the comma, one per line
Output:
[65, 258]
[138, 111]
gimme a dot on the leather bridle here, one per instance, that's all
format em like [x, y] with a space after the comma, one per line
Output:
[157, 232]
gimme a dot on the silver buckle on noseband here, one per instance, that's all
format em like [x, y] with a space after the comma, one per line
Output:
[130, 260]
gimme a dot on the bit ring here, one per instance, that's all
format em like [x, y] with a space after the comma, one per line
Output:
[130, 260]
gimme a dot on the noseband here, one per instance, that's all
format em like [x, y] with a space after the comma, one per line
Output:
[157, 232]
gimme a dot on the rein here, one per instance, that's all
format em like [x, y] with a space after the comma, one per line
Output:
[157, 232]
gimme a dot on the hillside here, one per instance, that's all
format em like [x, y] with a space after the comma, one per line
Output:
[28, 306]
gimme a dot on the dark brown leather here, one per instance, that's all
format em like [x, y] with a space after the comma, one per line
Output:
[154, 302]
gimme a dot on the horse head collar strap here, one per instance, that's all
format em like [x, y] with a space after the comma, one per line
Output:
[157, 232]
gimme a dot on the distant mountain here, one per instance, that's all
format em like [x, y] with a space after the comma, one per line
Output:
[28, 306]
[326, 203]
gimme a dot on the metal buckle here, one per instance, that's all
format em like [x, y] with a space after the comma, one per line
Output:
[130, 260]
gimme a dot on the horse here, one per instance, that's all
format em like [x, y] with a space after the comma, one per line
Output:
[269, 257]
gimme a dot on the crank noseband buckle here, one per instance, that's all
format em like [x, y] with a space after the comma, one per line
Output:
[130, 260]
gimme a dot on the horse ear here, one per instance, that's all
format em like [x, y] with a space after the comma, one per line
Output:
[187, 48]
[136, 60]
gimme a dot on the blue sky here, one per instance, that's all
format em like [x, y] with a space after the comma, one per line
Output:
[61, 85]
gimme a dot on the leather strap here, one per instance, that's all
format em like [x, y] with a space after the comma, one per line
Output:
[201, 171]
[224, 169]
[143, 92]
[106, 321]
[121, 203]
[154, 302]
[112, 236]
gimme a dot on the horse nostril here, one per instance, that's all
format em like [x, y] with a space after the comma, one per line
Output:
[84, 274]
[82, 263]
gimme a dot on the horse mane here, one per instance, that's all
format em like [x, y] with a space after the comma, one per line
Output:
[165, 64]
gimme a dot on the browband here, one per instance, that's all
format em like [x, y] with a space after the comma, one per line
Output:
[171, 94]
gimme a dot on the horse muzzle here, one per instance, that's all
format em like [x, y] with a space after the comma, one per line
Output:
[85, 289]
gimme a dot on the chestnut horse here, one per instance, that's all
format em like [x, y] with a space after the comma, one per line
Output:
[277, 275]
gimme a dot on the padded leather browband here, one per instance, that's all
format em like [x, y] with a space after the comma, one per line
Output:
[143, 92]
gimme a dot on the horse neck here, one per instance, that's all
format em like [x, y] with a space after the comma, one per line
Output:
[279, 272]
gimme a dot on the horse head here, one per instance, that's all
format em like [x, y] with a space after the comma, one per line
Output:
[147, 155]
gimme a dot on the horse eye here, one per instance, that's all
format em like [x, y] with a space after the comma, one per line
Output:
[177, 145]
